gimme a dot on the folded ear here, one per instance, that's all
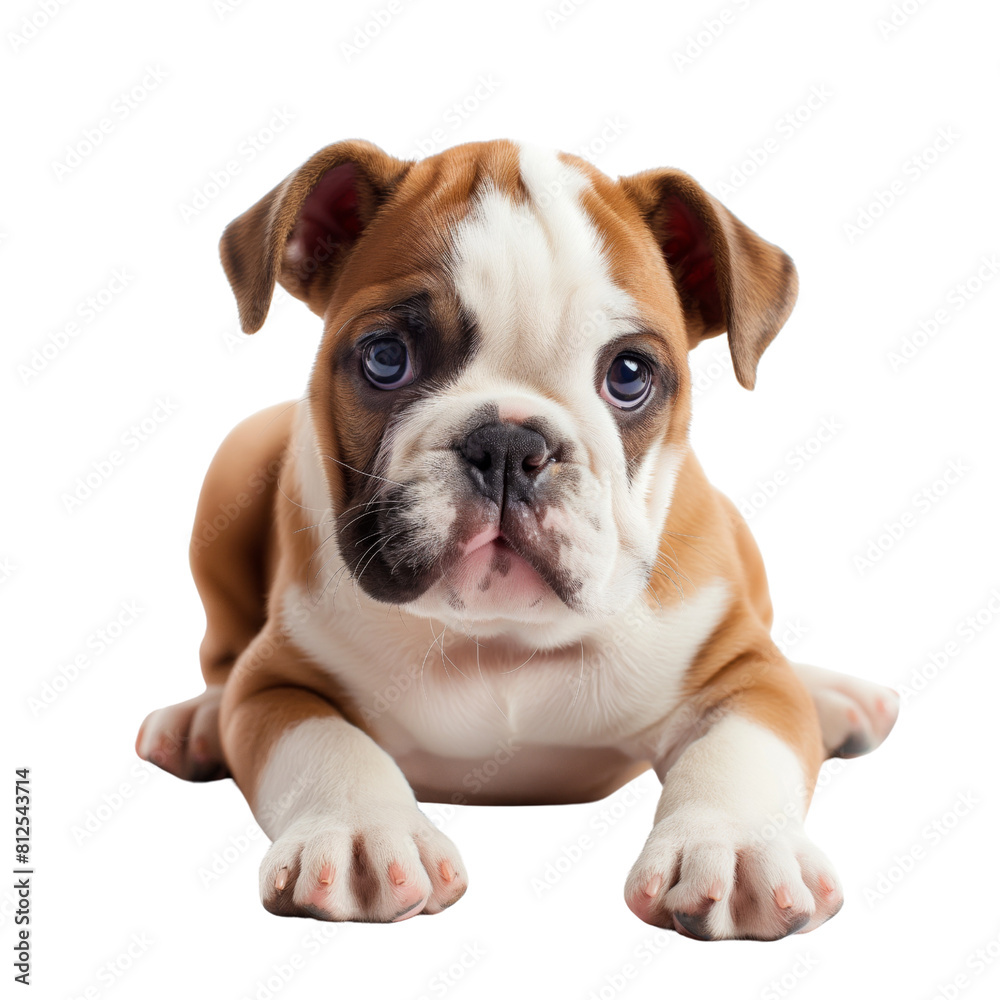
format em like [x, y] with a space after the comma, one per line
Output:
[727, 277]
[302, 232]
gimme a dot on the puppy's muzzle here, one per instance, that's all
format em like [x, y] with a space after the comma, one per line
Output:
[504, 461]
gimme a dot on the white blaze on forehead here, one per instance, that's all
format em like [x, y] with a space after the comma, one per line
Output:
[533, 274]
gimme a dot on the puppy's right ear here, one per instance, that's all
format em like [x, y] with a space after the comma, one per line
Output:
[302, 232]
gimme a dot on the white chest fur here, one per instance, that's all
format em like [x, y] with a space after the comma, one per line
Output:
[421, 690]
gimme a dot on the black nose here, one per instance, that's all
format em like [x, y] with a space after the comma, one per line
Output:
[504, 460]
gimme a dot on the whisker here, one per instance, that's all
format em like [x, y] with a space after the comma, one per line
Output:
[666, 576]
[328, 520]
[361, 472]
[485, 685]
[313, 556]
[518, 667]
[387, 505]
[579, 682]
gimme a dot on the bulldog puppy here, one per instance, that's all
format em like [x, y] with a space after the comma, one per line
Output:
[483, 528]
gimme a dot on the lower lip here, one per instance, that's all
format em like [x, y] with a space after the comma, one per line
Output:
[492, 574]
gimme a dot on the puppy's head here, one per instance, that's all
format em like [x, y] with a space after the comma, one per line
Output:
[501, 397]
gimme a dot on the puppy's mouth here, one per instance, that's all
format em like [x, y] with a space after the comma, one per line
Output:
[489, 566]
[503, 569]
[494, 571]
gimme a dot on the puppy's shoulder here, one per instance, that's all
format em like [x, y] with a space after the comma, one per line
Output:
[236, 500]
[705, 539]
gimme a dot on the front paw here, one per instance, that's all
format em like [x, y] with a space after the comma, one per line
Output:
[708, 877]
[381, 864]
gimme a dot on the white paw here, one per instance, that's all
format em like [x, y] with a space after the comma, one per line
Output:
[382, 863]
[709, 877]
[854, 714]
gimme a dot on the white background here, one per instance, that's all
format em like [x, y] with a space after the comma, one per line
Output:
[121, 849]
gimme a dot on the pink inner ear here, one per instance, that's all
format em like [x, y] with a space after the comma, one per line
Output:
[689, 256]
[329, 217]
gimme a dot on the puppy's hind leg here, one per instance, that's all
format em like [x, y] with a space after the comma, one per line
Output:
[855, 715]
[230, 556]
[184, 738]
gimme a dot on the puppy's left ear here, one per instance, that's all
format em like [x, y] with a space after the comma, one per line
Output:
[726, 276]
[301, 233]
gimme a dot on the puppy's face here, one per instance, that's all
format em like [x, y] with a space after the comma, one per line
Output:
[501, 396]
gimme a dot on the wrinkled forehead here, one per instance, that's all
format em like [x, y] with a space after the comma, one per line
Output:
[540, 254]
[532, 274]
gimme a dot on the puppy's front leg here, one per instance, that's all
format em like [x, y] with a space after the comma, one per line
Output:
[727, 856]
[349, 842]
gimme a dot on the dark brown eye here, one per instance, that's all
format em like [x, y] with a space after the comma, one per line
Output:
[387, 363]
[627, 382]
